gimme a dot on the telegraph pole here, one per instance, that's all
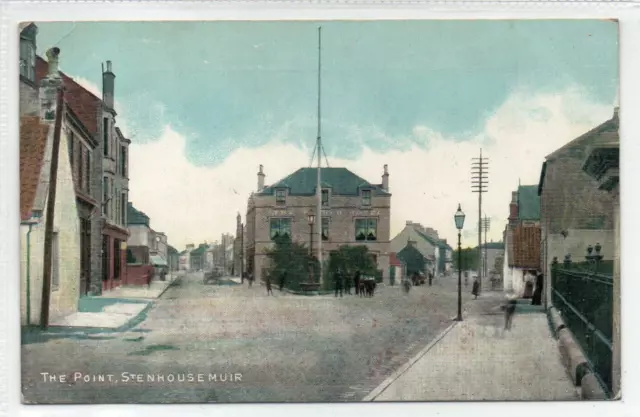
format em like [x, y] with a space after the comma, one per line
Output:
[480, 185]
[51, 205]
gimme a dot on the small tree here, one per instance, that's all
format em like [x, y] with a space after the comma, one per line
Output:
[350, 259]
[289, 258]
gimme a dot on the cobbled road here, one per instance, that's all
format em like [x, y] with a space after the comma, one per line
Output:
[206, 343]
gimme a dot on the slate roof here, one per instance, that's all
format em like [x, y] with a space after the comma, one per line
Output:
[528, 202]
[84, 104]
[199, 251]
[33, 144]
[341, 181]
[434, 242]
[171, 250]
[135, 216]
[412, 258]
[610, 126]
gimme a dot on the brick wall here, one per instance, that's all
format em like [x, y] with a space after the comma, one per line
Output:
[139, 274]
[526, 246]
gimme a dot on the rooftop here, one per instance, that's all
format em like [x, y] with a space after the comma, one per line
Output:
[33, 144]
[528, 202]
[341, 181]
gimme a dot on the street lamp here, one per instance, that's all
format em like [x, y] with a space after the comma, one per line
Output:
[459, 219]
[311, 219]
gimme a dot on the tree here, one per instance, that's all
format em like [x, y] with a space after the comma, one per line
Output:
[349, 259]
[291, 258]
[469, 259]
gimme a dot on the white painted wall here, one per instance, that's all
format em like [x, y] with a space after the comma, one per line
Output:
[138, 235]
[64, 299]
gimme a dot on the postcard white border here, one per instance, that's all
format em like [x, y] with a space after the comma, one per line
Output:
[628, 14]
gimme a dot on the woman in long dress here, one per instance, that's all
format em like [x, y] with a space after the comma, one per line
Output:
[475, 290]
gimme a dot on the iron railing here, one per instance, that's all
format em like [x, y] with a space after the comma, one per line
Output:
[583, 293]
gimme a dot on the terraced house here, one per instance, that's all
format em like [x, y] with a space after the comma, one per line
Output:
[354, 212]
[436, 251]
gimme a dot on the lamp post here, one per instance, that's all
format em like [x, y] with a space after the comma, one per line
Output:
[311, 218]
[459, 219]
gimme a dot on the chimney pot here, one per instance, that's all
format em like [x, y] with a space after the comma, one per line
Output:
[260, 178]
[385, 178]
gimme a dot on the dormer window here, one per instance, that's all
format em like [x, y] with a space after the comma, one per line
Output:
[366, 197]
[281, 197]
[325, 198]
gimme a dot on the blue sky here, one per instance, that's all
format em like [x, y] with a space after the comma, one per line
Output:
[217, 89]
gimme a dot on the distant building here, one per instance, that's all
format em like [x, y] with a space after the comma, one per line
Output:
[522, 241]
[197, 257]
[413, 260]
[354, 212]
[174, 258]
[238, 248]
[436, 251]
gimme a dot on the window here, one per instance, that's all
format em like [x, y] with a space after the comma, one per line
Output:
[55, 262]
[105, 135]
[366, 229]
[105, 196]
[28, 59]
[71, 141]
[281, 197]
[84, 163]
[366, 197]
[123, 161]
[112, 209]
[325, 197]
[280, 227]
[325, 228]
[123, 207]
[87, 174]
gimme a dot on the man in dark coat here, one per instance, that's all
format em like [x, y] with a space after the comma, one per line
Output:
[268, 283]
[536, 300]
[347, 284]
[338, 282]
[475, 290]
[283, 278]
[356, 281]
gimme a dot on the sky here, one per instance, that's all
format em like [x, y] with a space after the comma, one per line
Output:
[205, 103]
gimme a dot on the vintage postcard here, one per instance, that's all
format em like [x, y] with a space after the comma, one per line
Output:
[319, 211]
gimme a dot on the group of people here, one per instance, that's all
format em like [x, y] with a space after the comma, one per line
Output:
[363, 287]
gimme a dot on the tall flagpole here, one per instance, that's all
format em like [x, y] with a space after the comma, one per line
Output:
[319, 146]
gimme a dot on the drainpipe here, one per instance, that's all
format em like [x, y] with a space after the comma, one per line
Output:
[28, 307]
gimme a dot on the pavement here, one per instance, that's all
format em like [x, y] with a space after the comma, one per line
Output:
[114, 309]
[477, 360]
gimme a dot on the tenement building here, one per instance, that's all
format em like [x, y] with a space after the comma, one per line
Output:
[354, 212]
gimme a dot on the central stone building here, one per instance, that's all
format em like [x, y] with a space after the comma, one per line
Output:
[354, 212]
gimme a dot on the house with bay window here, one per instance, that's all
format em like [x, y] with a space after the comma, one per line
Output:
[354, 212]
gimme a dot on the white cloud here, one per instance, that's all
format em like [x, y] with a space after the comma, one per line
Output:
[192, 204]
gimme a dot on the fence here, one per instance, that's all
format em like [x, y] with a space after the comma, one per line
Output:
[583, 293]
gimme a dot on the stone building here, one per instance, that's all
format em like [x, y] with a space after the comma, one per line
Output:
[238, 248]
[37, 133]
[354, 212]
[80, 129]
[522, 242]
[574, 212]
[425, 239]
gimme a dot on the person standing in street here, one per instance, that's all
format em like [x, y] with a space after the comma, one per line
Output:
[338, 282]
[356, 281]
[283, 278]
[475, 290]
[536, 300]
[347, 284]
[509, 312]
[268, 284]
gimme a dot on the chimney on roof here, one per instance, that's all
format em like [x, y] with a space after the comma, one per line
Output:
[261, 178]
[513, 208]
[49, 87]
[616, 112]
[409, 223]
[108, 85]
[385, 178]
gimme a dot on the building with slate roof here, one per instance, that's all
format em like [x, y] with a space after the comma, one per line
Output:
[147, 246]
[425, 239]
[37, 134]
[354, 212]
[574, 210]
[522, 241]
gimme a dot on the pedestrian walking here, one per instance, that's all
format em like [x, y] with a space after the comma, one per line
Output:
[430, 278]
[250, 279]
[268, 283]
[356, 282]
[347, 284]
[338, 282]
[475, 290]
[509, 312]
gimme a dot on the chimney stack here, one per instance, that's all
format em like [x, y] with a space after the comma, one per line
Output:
[513, 208]
[385, 178]
[49, 87]
[108, 85]
[261, 178]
